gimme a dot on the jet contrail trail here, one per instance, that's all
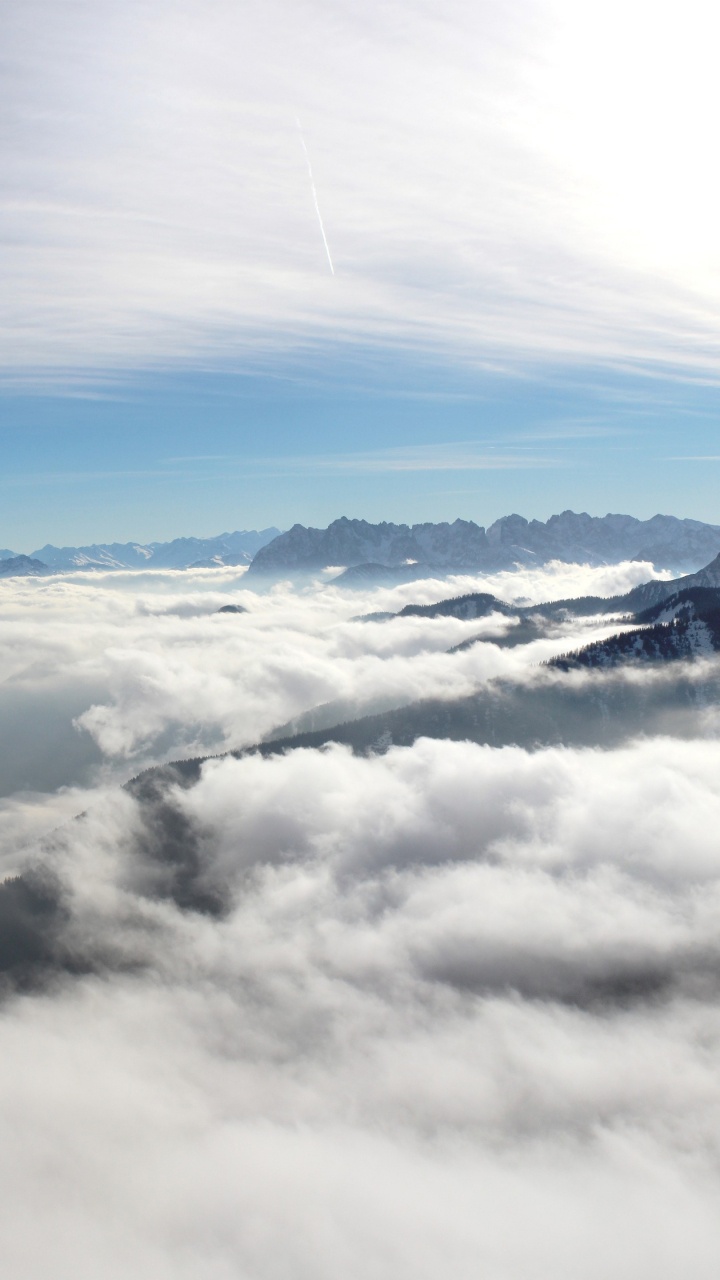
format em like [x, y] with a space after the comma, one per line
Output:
[317, 206]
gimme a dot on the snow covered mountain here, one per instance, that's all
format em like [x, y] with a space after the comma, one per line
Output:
[665, 541]
[22, 567]
[369, 553]
[686, 625]
[356, 542]
[182, 553]
[462, 544]
[368, 549]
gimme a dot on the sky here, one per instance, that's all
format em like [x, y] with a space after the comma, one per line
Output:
[279, 263]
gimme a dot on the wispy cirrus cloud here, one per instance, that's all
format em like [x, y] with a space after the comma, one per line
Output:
[487, 199]
[461, 456]
[445, 457]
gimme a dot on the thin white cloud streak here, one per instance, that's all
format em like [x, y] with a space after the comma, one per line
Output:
[446, 457]
[449, 456]
[315, 197]
[491, 197]
[455, 989]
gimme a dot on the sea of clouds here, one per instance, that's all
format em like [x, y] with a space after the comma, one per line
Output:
[448, 1010]
[104, 674]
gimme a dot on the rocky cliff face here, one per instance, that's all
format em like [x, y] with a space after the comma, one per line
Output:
[463, 545]
[665, 541]
[357, 542]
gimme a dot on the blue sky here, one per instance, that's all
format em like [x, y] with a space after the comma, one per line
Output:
[522, 219]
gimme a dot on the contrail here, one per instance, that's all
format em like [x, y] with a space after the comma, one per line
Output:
[317, 206]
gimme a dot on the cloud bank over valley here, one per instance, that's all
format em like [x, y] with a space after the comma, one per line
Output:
[104, 675]
[320, 1010]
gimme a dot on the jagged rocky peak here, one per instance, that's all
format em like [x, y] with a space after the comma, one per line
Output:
[459, 542]
[665, 541]
[350, 543]
[508, 530]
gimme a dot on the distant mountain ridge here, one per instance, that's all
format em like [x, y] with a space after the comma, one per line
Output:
[22, 567]
[236, 548]
[368, 554]
[369, 551]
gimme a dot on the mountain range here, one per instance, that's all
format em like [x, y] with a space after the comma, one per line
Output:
[12, 566]
[367, 554]
[236, 548]
[370, 553]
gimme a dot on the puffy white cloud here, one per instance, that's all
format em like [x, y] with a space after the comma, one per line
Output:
[450, 990]
[320, 1013]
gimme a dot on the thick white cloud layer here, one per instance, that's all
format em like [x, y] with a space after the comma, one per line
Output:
[495, 183]
[102, 674]
[459, 1013]
[451, 1009]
